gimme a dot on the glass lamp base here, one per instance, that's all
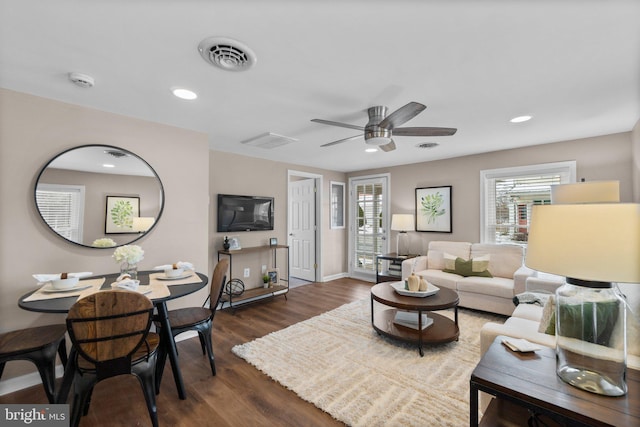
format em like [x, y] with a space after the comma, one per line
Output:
[591, 337]
[591, 381]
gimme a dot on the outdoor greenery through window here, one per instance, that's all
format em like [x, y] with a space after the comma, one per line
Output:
[507, 196]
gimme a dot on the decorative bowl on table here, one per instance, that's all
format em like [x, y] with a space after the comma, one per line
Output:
[400, 288]
[67, 283]
[174, 272]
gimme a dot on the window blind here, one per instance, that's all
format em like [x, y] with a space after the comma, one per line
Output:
[61, 207]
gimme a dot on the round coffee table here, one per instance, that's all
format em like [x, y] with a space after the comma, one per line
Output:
[442, 329]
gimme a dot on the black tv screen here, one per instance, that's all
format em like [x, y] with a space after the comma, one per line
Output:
[244, 213]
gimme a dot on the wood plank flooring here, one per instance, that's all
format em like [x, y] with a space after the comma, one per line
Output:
[239, 395]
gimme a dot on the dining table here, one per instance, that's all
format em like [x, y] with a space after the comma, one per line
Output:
[61, 302]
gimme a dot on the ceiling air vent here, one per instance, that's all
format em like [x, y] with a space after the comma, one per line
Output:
[226, 53]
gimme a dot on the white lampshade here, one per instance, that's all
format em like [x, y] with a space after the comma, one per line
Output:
[142, 223]
[586, 192]
[593, 242]
[402, 222]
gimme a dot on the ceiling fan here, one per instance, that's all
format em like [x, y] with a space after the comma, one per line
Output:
[380, 128]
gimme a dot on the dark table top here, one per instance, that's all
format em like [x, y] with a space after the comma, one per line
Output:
[530, 378]
[62, 305]
[385, 294]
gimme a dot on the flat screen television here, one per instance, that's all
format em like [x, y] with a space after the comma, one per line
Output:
[244, 213]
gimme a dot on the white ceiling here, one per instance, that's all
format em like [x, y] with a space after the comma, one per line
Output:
[574, 65]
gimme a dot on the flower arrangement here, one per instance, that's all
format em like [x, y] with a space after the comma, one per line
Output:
[103, 243]
[131, 254]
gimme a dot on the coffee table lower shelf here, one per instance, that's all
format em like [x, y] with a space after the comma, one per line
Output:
[442, 330]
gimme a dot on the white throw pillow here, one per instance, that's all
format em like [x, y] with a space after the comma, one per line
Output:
[449, 261]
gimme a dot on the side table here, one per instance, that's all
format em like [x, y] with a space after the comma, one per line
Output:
[394, 271]
[526, 385]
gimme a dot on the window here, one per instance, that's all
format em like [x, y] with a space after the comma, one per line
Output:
[337, 204]
[507, 195]
[62, 208]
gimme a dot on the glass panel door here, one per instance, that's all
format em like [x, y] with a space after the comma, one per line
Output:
[369, 224]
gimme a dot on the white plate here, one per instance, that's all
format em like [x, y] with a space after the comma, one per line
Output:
[399, 287]
[182, 276]
[48, 288]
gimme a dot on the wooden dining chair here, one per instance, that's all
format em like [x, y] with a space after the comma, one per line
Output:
[199, 319]
[38, 345]
[110, 334]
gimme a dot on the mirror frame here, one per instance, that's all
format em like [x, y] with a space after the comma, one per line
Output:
[106, 147]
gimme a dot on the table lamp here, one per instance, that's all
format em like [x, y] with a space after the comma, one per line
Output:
[592, 245]
[142, 224]
[402, 223]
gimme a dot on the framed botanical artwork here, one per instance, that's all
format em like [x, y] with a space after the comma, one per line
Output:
[120, 214]
[433, 209]
[274, 276]
[337, 204]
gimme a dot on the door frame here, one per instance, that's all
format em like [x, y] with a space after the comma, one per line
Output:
[387, 222]
[318, 211]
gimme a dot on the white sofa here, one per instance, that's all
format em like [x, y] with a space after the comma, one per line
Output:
[493, 294]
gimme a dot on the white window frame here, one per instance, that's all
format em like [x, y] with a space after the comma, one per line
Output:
[486, 176]
[337, 204]
[78, 208]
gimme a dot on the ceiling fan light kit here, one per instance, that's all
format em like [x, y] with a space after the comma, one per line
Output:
[380, 128]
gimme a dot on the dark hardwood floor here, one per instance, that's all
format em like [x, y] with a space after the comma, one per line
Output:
[239, 395]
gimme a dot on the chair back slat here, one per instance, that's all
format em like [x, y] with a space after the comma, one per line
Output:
[217, 283]
[109, 325]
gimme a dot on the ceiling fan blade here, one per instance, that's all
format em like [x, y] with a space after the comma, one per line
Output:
[340, 141]
[402, 115]
[424, 131]
[342, 125]
[388, 147]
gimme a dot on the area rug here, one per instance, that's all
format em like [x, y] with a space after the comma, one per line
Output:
[340, 364]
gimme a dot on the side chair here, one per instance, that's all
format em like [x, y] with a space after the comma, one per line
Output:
[110, 334]
[199, 319]
[38, 345]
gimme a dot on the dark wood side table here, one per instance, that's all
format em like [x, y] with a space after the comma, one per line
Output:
[526, 384]
[394, 272]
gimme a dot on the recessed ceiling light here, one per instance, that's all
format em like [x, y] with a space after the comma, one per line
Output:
[184, 94]
[371, 150]
[107, 165]
[520, 119]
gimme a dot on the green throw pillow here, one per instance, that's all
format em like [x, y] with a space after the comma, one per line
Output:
[578, 321]
[465, 268]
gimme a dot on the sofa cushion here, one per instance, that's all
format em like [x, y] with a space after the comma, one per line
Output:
[495, 286]
[440, 278]
[472, 267]
[505, 259]
[528, 311]
[437, 249]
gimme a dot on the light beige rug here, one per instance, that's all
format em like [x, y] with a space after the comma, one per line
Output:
[340, 364]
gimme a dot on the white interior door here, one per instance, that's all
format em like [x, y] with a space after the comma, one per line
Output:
[369, 222]
[302, 228]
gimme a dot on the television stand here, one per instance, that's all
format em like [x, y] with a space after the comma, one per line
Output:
[256, 294]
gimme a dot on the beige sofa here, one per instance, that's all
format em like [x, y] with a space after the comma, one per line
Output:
[493, 294]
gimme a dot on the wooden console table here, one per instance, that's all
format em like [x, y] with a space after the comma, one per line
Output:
[526, 385]
[256, 294]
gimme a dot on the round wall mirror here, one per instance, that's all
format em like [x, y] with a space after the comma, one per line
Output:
[99, 196]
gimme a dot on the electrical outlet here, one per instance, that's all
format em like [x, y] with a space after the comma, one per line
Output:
[264, 269]
[247, 272]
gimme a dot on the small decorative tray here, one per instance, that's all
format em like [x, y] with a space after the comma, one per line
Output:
[399, 287]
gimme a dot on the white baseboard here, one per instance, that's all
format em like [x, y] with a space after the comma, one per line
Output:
[335, 276]
[25, 381]
[12, 385]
